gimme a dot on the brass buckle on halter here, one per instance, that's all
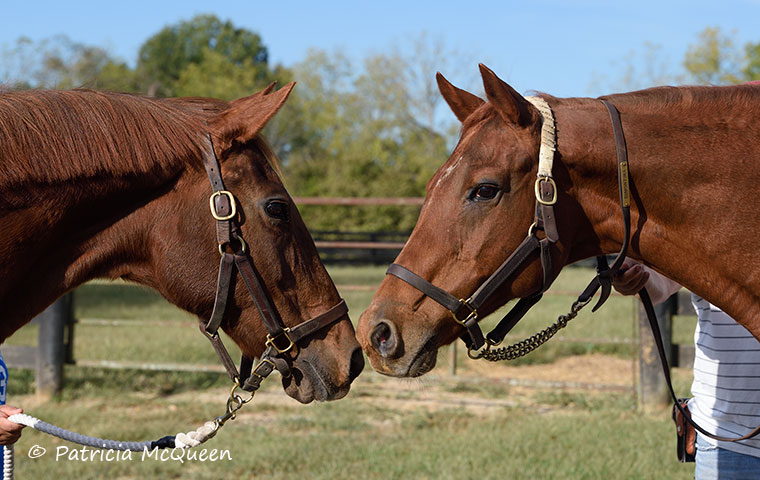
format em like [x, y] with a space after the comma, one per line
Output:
[270, 341]
[472, 315]
[233, 205]
[262, 362]
[537, 188]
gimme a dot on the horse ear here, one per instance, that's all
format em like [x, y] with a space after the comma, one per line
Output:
[511, 105]
[247, 116]
[462, 103]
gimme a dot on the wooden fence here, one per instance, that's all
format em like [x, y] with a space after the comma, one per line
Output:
[340, 246]
[55, 343]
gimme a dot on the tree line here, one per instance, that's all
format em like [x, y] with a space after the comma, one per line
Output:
[350, 129]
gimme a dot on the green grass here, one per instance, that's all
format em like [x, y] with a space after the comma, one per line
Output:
[383, 429]
[177, 339]
[569, 436]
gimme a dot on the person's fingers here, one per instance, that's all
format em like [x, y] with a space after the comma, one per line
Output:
[7, 410]
[627, 263]
[8, 426]
[9, 438]
[631, 280]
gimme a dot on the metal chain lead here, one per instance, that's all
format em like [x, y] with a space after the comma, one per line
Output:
[531, 343]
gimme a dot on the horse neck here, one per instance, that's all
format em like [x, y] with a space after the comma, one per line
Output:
[691, 191]
[71, 233]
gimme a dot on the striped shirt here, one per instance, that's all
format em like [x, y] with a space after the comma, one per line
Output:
[726, 387]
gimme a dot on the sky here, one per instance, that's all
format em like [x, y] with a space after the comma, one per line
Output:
[565, 48]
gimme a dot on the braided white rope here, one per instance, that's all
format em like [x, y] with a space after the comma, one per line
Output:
[548, 137]
[196, 437]
[181, 440]
[8, 462]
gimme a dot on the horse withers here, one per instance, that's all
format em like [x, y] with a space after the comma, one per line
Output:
[106, 185]
[693, 156]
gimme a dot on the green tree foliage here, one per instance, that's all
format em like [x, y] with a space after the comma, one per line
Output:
[204, 40]
[58, 62]
[714, 59]
[364, 138]
[751, 69]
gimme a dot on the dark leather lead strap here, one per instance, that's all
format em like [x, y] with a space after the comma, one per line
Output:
[605, 274]
[655, 327]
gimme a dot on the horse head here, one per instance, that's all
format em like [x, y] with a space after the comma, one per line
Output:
[184, 246]
[479, 207]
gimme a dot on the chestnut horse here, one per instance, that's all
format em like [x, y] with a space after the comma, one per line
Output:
[106, 185]
[693, 157]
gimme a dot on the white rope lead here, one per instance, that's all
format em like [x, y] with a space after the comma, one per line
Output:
[181, 440]
[8, 462]
[196, 437]
[77, 438]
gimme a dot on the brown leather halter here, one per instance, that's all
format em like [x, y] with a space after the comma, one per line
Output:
[465, 312]
[280, 339]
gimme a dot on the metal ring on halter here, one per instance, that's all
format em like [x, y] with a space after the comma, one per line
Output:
[478, 354]
[243, 245]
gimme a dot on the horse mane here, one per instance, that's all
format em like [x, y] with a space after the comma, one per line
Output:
[56, 136]
[693, 96]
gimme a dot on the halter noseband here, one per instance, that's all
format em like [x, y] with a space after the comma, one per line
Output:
[280, 339]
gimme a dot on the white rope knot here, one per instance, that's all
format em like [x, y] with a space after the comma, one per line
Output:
[23, 419]
[196, 437]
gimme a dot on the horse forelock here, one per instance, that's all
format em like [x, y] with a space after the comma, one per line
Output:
[56, 136]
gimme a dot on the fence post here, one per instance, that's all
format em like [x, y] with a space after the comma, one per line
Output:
[51, 349]
[453, 358]
[653, 390]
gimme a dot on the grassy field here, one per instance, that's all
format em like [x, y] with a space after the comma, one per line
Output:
[474, 424]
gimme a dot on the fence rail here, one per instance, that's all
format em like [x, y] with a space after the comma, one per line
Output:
[360, 201]
[54, 347]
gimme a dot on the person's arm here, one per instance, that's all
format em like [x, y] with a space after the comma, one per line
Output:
[634, 276]
[9, 431]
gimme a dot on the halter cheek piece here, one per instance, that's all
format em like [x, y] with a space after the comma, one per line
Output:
[280, 339]
[465, 312]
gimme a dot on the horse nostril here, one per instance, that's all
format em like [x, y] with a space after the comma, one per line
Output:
[357, 364]
[383, 339]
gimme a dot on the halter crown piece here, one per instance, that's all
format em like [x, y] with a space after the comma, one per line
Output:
[548, 137]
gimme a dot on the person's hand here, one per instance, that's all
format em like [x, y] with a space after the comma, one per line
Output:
[632, 277]
[9, 431]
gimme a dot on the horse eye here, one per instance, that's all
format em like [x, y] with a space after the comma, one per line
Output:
[277, 209]
[485, 192]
